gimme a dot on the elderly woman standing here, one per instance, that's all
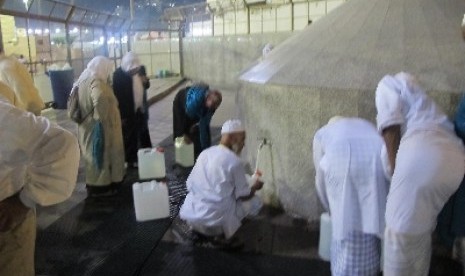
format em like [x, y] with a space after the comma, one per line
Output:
[100, 135]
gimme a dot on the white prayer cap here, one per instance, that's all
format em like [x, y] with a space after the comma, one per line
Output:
[335, 119]
[232, 126]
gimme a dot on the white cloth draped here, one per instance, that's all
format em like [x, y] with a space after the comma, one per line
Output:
[349, 176]
[429, 166]
[401, 101]
[16, 76]
[37, 157]
[429, 169]
[430, 162]
[406, 255]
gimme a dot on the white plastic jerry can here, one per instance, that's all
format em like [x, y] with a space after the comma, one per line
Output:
[324, 247]
[151, 163]
[151, 200]
[183, 153]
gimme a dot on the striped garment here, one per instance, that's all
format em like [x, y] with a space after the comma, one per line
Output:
[357, 255]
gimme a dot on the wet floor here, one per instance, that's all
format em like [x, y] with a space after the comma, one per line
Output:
[85, 236]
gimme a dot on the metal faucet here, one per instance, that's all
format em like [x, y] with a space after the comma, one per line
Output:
[263, 142]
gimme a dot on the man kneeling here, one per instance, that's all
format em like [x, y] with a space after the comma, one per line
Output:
[219, 195]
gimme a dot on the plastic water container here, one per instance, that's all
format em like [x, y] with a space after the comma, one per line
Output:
[324, 247]
[151, 163]
[183, 153]
[150, 200]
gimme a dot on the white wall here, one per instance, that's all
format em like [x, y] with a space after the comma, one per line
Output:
[159, 54]
[234, 18]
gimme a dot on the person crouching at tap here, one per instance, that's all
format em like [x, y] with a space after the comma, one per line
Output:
[219, 195]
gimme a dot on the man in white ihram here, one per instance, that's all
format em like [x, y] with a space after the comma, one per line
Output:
[428, 162]
[219, 194]
[352, 186]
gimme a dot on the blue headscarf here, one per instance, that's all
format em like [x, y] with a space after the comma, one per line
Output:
[196, 109]
[195, 101]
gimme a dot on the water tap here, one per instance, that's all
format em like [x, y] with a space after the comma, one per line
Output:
[263, 142]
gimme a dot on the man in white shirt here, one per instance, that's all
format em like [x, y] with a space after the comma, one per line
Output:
[352, 186]
[219, 194]
[39, 163]
[14, 74]
[427, 161]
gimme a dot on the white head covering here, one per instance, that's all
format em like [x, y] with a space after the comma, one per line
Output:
[99, 67]
[407, 77]
[232, 126]
[335, 119]
[130, 61]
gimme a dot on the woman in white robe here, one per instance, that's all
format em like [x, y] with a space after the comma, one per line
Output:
[97, 99]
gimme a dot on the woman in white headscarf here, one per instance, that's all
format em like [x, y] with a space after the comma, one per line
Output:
[129, 90]
[427, 162]
[98, 103]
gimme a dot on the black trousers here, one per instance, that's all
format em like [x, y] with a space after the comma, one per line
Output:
[144, 134]
[131, 136]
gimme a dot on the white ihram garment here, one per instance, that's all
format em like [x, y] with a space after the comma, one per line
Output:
[349, 176]
[215, 185]
[350, 182]
[429, 168]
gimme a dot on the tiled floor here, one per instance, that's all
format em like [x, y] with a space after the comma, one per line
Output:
[272, 232]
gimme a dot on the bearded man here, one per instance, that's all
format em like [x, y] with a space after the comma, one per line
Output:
[219, 195]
